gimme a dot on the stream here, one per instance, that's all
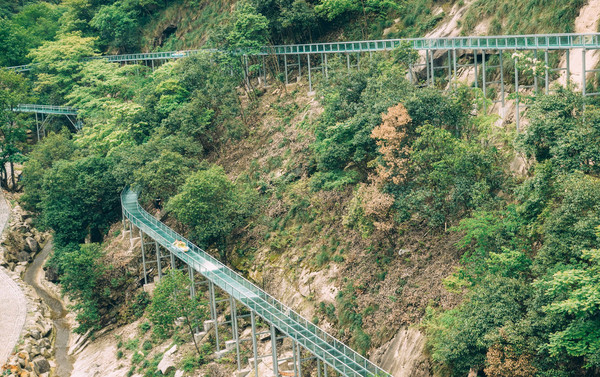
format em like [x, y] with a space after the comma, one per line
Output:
[64, 363]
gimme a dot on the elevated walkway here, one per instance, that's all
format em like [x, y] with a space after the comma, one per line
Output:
[503, 42]
[46, 109]
[322, 345]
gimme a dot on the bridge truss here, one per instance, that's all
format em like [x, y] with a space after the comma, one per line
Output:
[44, 112]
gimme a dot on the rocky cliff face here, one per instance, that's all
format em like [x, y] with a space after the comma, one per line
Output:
[21, 241]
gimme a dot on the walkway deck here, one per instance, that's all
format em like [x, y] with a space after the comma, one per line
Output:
[318, 342]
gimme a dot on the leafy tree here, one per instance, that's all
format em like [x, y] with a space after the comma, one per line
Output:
[575, 293]
[117, 26]
[52, 148]
[76, 17]
[448, 177]
[171, 300]
[353, 106]
[81, 198]
[163, 176]
[211, 206]
[40, 19]
[334, 9]
[551, 118]
[80, 275]
[58, 66]
[12, 38]
[249, 30]
[461, 337]
[297, 19]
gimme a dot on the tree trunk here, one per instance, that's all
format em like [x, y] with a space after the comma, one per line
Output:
[12, 175]
[189, 323]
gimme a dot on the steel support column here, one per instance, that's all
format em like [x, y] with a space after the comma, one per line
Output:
[309, 73]
[583, 73]
[234, 329]
[254, 345]
[568, 67]
[449, 68]
[432, 55]
[143, 257]
[295, 359]
[502, 91]
[274, 351]
[213, 312]
[192, 282]
[172, 261]
[298, 349]
[475, 67]
[427, 66]
[535, 76]
[546, 74]
[158, 260]
[454, 67]
[483, 80]
[285, 68]
[348, 61]
[517, 114]
[37, 126]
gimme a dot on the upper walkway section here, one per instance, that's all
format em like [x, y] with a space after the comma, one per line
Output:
[318, 342]
[45, 109]
[502, 42]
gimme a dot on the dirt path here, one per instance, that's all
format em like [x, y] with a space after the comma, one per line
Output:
[13, 307]
[33, 277]
[586, 22]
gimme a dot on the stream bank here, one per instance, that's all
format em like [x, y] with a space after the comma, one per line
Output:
[21, 256]
[34, 277]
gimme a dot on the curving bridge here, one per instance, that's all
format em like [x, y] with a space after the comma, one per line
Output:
[440, 63]
[304, 334]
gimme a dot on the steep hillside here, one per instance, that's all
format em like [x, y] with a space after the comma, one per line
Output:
[388, 214]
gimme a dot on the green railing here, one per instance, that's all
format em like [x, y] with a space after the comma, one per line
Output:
[507, 42]
[45, 109]
[503, 42]
[325, 347]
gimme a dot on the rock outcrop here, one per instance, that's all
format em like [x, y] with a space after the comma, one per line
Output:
[20, 243]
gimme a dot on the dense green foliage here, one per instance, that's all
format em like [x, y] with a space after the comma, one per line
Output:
[530, 301]
[396, 158]
[80, 198]
[211, 205]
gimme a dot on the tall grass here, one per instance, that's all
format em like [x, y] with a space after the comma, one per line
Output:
[523, 16]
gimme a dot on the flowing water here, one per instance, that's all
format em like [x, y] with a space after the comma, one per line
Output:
[64, 363]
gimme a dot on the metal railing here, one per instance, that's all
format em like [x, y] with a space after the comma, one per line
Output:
[501, 42]
[321, 344]
[506, 42]
[45, 109]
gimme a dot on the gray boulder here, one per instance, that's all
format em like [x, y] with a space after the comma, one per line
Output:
[41, 365]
